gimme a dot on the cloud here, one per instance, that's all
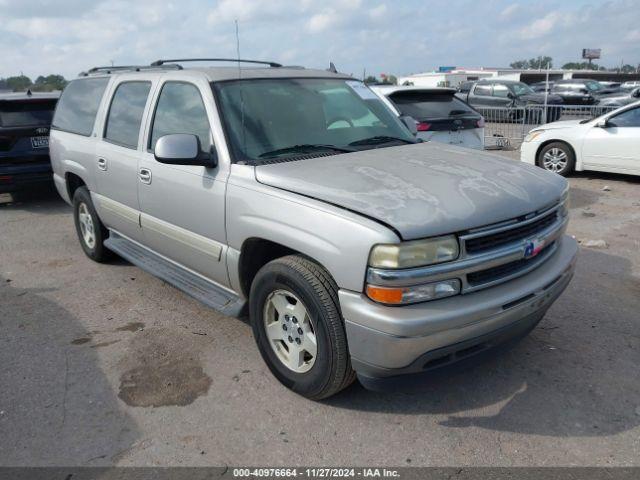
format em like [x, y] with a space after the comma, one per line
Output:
[67, 36]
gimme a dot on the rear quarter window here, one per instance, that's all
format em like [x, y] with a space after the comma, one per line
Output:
[78, 106]
[28, 113]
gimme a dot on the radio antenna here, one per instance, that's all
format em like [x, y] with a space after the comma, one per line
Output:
[244, 136]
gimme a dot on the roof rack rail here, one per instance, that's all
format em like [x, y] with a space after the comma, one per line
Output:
[158, 63]
[120, 68]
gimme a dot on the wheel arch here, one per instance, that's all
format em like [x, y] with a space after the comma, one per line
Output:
[578, 163]
[73, 182]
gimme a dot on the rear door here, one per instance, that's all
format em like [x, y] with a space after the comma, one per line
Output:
[183, 206]
[615, 147]
[117, 156]
[442, 117]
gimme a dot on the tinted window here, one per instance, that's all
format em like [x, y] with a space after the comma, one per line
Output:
[125, 113]
[522, 88]
[482, 90]
[466, 87]
[423, 105]
[180, 110]
[78, 105]
[500, 91]
[630, 118]
[26, 114]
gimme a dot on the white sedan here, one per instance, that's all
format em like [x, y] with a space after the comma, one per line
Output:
[609, 143]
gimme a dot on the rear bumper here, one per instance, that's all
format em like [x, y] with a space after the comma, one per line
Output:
[19, 177]
[391, 341]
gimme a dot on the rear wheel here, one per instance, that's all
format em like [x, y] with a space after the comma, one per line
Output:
[298, 327]
[91, 232]
[557, 157]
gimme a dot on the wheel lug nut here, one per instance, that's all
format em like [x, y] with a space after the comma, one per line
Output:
[284, 327]
[286, 318]
[298, 341]
[300, 332]
[290, 339]
[294, 320]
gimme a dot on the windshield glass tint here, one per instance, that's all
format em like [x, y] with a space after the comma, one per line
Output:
[594, 86]
[266, 115]
[522, 89]
[425, 105]
[26, 114]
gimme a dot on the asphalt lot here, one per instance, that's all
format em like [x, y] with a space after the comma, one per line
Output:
[104, 364]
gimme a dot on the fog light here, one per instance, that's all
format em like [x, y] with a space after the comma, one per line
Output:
[413, 294]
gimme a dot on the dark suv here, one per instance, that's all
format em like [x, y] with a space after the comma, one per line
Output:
[581, 92]
[25, 119]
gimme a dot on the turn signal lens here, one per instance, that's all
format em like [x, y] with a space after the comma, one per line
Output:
[413, 294]
[531, 136]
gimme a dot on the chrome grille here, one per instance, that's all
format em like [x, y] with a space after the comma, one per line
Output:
[518, 232]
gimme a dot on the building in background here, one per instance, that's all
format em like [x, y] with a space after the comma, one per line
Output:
[454, 76]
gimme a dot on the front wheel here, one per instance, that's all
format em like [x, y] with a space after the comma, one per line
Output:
[557, 157]
[298, 327]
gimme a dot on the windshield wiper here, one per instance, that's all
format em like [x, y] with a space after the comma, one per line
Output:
[304, 148]
[379, 139]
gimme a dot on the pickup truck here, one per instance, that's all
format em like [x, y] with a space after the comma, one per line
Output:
[298, 197]
[504, 100]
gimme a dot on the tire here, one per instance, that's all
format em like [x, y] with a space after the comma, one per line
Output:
[86, 218]
[560, 159]
[288, 281]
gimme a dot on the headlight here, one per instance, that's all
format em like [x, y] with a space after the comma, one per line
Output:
[532, 135]
[413, 294]
[416, 253]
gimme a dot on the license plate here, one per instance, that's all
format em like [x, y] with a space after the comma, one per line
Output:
[40, 142]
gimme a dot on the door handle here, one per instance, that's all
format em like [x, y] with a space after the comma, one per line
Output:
[102, 164]
[145, 175]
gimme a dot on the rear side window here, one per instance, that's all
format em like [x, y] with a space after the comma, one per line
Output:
[425, 105]
[125, 113]
[78, 105]
[500, 91]
[28, 113]
[180, 110]
[482, 90]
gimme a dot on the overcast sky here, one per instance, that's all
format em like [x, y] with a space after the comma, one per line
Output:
[400, 37]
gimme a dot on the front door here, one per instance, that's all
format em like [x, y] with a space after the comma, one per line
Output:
[615, 146]
[117, 155]
[183, 205]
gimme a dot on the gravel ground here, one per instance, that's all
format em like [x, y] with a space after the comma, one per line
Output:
[104, 364]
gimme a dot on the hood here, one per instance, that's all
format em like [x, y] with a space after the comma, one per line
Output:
[539, 98]
[562, 124]
[421, 190]
[616, 99]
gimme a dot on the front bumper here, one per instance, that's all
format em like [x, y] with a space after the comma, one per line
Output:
[390, 341]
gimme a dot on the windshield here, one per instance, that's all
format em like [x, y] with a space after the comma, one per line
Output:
[522, 89]
[26, 114]
[594, 86]
[287, 117]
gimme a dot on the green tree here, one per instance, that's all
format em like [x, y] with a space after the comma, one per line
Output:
[581, 66]
[18, 83]
[49, 83]
[538, 63]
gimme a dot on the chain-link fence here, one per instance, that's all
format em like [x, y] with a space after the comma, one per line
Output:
[505, 128]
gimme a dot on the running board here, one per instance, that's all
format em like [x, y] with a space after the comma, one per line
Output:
[199, 288]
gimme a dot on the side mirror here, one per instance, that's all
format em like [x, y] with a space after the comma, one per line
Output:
[410, 123]
[636, 93]
[602, 124]
[511, 95]
[183, 149]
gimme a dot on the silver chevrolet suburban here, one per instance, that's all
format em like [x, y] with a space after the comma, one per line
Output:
[298, 196]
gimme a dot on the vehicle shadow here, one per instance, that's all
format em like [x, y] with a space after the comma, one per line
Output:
[56, 404]
[43, 200]
[575, 375]
[617, 177]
